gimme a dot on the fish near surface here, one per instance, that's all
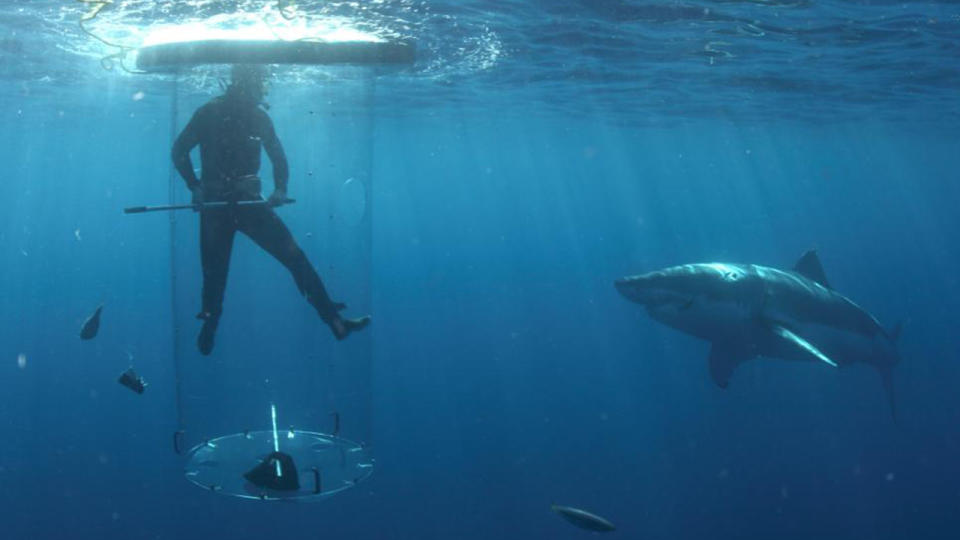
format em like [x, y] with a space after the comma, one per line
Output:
[747, 310]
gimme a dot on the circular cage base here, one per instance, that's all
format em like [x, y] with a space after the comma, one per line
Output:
[325, 464]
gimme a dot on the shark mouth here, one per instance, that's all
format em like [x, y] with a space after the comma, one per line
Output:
[663, 300]
[652, 297]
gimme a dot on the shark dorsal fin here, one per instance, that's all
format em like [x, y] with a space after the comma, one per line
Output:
[809, 267]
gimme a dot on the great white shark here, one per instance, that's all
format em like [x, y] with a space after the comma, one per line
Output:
[747, 311]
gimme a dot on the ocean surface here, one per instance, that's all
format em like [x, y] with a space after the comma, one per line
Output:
[479, 204]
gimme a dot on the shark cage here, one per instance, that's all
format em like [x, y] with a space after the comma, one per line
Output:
[280, 409]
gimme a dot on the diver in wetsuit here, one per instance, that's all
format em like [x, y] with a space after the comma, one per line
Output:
[230, 130]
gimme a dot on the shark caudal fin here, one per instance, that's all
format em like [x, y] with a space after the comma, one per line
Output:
[886, 376]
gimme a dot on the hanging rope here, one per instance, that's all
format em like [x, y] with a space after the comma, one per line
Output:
[95, 10]
[107, 61]
[287, 9]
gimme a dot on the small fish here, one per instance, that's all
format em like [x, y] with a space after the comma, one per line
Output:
[583, 519]
[92, 325]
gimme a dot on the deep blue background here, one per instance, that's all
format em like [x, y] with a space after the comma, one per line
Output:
[508, 374]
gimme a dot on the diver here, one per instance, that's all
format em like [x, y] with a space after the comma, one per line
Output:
[231, 129]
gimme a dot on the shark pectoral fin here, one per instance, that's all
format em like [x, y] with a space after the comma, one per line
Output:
[723, 360]
[800, 343]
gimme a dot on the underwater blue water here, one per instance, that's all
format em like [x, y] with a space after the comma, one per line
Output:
[508, 194]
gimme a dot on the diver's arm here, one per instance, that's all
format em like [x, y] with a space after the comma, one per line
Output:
[180, 153]
[271, 143]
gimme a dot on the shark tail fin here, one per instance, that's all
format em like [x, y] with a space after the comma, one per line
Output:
[886, 377]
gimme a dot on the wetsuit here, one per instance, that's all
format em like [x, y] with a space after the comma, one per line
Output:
[230, 133]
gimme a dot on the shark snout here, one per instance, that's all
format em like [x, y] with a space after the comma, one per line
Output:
[635, 288]
[653, 290]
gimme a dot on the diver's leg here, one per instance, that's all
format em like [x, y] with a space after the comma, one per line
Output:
[265, 228]
[217, 228]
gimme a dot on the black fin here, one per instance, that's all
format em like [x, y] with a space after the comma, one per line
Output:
[92, 325]
[265, 475]
[809, 267]
[886, 376]
[722, 361]
[131, 380]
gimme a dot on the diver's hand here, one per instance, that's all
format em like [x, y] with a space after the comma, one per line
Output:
[197, 198]
[278, 197]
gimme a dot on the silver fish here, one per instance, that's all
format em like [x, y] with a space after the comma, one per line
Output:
[583, 519]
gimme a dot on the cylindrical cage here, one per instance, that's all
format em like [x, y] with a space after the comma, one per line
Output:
[281, 408]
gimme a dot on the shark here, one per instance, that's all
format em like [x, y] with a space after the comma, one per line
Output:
[749, 311]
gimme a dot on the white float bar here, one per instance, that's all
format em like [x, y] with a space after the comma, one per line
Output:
[171, 56]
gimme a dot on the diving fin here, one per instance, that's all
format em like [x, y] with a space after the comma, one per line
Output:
[92, 325]
[723, 360]
[809, 267]
[276, 471]
[800, 343]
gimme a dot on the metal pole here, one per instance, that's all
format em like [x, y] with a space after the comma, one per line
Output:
[171, 197]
